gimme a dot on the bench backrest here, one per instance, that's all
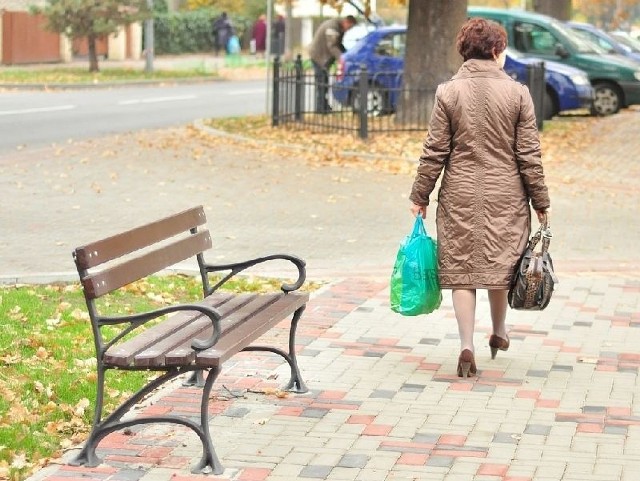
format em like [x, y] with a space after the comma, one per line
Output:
[164, 243]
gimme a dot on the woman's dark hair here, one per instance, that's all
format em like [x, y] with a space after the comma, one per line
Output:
[480, 38]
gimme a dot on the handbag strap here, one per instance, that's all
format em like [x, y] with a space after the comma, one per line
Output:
[544, 233]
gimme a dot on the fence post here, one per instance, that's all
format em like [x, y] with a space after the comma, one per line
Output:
[299, 90]
[536, 84]
[275, 108]
[363, 93]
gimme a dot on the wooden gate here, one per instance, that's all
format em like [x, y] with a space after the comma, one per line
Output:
[25, 40]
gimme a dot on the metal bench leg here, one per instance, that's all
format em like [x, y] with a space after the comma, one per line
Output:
[103, 427]
[87, 456]
[195, 379]
[209, 462]
[295, 384]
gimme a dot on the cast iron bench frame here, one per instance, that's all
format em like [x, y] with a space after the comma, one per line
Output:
[194, 338]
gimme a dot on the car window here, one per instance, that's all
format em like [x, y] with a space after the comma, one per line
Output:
[579, 43]
[392, 45]
[599, 41]
[531, 38]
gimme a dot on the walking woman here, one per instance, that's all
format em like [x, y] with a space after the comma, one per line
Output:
[483, 134]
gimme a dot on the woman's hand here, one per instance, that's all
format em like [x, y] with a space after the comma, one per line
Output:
[417, 210]
[542, 214]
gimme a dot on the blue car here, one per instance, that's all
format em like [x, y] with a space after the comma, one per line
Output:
[382, 51]
[602, 39]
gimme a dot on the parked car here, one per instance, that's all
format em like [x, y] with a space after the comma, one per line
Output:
[603, 40]
[615, 79]
[382, 52]
[626, 39]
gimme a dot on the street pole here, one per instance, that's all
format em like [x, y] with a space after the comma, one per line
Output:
[148, 39]
[268, 53]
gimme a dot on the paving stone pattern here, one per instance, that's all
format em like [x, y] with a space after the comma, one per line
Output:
[384, 403]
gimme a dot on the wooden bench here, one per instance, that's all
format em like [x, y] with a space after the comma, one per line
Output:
[194, 338]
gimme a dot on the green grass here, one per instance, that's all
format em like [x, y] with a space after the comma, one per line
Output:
[72, 75]
[47, 362]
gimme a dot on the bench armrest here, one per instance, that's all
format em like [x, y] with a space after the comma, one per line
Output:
[139, 319]
[241, 266]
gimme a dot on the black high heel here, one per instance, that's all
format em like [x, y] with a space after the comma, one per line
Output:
[496, 344]
[466, 364]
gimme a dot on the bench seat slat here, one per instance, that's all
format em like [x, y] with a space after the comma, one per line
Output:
[122, 354]
[174, 335]
[178, 345]
[253, 328]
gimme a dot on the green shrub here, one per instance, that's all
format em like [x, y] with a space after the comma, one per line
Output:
[191, 31]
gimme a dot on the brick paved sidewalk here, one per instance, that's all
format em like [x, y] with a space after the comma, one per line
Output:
[561, 404]
[385, 404]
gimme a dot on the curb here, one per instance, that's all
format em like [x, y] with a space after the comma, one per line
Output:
[128, 83]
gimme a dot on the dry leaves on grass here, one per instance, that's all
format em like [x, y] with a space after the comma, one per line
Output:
[561, 139]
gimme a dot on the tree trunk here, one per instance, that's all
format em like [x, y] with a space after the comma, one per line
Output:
[93, 56]
[288, 34]
[560, 9]
[431, 57]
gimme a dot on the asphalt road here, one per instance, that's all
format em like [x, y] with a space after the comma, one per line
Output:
[41, 118]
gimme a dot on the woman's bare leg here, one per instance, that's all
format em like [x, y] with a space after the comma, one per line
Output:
[498, 303]
[464, 306]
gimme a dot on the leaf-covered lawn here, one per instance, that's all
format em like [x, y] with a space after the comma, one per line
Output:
[562, 138]
[48, 367]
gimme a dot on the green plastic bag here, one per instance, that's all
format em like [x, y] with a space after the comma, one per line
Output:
[414, 283]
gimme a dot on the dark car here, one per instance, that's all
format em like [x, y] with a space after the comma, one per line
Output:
[382, 52]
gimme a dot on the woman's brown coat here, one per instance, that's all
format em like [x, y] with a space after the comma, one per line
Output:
[483, 133]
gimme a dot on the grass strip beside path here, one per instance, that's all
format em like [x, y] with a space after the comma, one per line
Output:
[48, 365]
[72, 76]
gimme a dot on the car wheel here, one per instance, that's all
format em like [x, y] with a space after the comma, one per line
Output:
[549, 109]
[376, 101]
[608, 98]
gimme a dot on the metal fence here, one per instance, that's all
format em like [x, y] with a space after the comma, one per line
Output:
[334, 102]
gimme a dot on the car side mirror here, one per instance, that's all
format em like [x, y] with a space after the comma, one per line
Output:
[561, 51]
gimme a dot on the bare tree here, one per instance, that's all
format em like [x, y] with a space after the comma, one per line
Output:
[90, 19]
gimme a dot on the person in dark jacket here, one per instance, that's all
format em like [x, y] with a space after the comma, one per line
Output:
[222, 32]
[279, 28]
[483, 134]
[325, 49]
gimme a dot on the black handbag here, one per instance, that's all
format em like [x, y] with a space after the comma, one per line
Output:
[534, 278]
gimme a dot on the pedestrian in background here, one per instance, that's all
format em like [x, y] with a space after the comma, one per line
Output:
[259, 35]
[279, 28]
[222, 31]
[483, 133]
[325, 49]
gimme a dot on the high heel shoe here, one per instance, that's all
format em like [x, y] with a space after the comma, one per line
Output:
[497, 343]
[466, 364]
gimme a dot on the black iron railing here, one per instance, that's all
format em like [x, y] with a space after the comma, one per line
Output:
[360, 103]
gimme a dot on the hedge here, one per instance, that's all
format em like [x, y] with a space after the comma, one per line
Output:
[191, 31]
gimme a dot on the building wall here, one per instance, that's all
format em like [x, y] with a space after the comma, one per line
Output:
[24, 39]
